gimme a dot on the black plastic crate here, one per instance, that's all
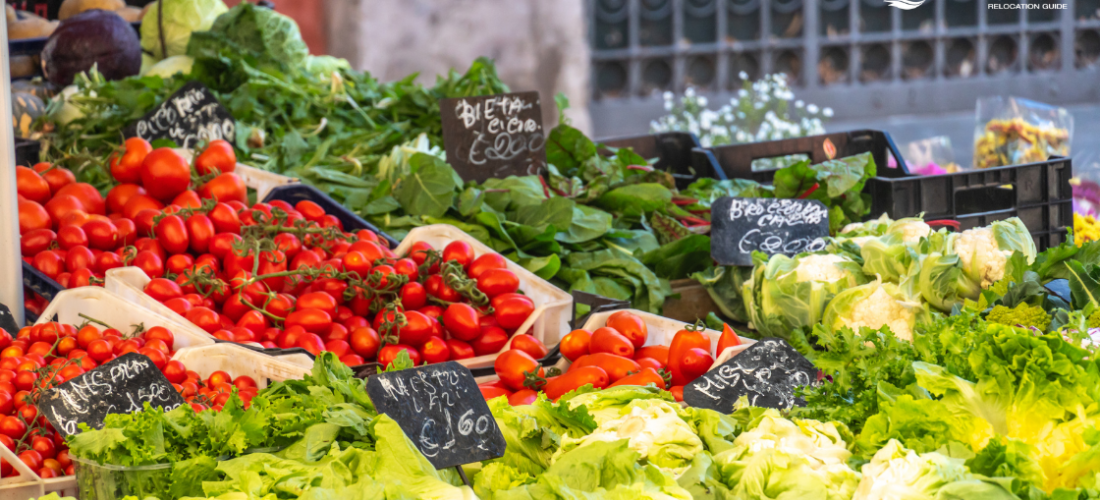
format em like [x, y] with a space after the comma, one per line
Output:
[735, 160]
[673, 151]
[41, 284]
[27, 152]
[1038, 193]
[293, 193]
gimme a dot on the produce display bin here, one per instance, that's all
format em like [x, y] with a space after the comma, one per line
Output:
[673, 152]
[25, 483]
[26, 152]
[237, 361]
[121, 312]
[111, 482]
[293, 193]
[553, 306]
[735, 160]
[261, 180]
[39, 283]
[1038, 193]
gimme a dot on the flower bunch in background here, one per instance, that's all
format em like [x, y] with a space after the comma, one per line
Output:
[764, 110]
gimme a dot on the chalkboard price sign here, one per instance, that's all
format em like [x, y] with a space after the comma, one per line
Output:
[767, 373]
[740, 226]
[190, 116]
[494, 136]
[441, 409]
[120, 386]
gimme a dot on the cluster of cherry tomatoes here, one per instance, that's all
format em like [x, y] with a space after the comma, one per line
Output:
[611, 356]
[44, 355]
[72, 234]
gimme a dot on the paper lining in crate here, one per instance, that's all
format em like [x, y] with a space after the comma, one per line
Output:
[236, 361]
[553, 306]
[129, 283]
[26, 484]
[121, 313]
[660, 331]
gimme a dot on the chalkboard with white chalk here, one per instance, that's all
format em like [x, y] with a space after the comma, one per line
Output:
[767, 373]
[494, 136]
[441, 410]
[740, 226]
[123, 385]
[189, 117]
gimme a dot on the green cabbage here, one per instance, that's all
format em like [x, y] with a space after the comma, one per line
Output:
[257, 32]
[168, 67]
[654, 430]
[898, 473]
[790, 293]
[180, 19]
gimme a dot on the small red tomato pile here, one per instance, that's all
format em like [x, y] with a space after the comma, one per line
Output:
[44, 355]
[611, 356]
[72, 234]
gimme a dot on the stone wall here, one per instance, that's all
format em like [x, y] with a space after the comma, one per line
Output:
[537, 44]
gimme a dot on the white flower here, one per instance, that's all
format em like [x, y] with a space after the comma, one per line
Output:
[758, 105]
[827, 112]
[667, 95]
[742, 75]
[742, 93]
[812, 109]
[689, 92]
[702, 100]
[668, 105]
[799, 104]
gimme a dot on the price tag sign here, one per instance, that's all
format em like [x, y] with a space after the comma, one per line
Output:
[740, 226]
[767, 373]
[190, 116]
[494, 136]
[120, 386]
[441, 409]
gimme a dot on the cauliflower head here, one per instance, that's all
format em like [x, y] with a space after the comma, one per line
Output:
[822, 267]
[984, 251]
[874, 305]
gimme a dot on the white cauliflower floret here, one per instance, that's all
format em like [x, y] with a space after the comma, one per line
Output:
[980, 243]
[912, 231]
[879, 309]
[821, 267]
[862, 240]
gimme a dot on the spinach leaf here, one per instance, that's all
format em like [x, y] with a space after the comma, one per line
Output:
[557, 212]
[635, 199]
[680, 258]
[588, 223]
[429, 189]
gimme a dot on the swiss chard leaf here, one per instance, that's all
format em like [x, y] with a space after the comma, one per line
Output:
[429, 189]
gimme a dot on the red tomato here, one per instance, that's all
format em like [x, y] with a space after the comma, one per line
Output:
[172, 234]
[656, 352]
[435, 350]
[163, 289]
[485, 263]
[630, 326]
[530, 345]
[225, 219]
[33, 216]
[417, 330]
[165, 174]
[312, 320]
[50, 263]
[254, 321]
[175, 372]
[407, 267]
[139, 202]
[459, 349]
[388, 353]
[437, 288]
[221, 244]
[513, 368]
[418, 252]
[31, 186]
[126, 167]
[491, 341]
[288, 243]
[31, 458]
[187, 199]
[102, 235]
[493, 392]
[310, 210]
[616, 367]
[609, 340]
[694, 363]
[644, 377]
[459, 251]
[413, 296]
[56, 177]
[87, 194]
[682, 342]
[728, 339]
[219, 377]
[38, 240]
[121, 194]
[523, 397]
[365, 342]
[12, 427]
[575, 379]
[200, 231]
[312, 343]
[204, 318]
[180, 264]
[149, 262]
[462, 321]
[127, 231]
[512, 310]
[225, 187]
[494, 282]
[218, 156]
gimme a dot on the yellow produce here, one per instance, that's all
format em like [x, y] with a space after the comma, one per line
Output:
[1085, 228]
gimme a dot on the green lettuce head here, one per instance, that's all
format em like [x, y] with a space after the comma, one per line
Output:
[984, 251]
[180, 18]
[654, 429]
[782, 458]
[788, 293]
[874, 306]
[899, 473]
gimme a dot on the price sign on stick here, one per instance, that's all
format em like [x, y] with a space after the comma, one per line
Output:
[740, 226]
[767, 373]
[441, 409]
[494, 136]
[121, 386]
[190, 116]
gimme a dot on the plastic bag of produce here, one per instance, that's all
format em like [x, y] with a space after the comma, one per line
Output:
[1014, 131]
[932, 156]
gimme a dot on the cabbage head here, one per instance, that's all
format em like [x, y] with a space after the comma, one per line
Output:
[180, 19]
[789, 293]
[896, 472]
